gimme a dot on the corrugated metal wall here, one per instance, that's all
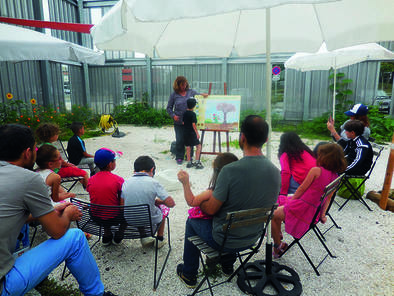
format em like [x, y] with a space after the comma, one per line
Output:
[307, 94]
[64, 11]
[17, 8]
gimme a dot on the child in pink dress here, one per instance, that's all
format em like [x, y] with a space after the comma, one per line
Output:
[194, 201]
[298, 212]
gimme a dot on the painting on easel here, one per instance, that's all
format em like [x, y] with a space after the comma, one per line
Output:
[218, 112]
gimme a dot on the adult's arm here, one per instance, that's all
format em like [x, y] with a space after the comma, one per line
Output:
[57, 222]
[170, 105]
[191, 200]
[312, 175]
[331, 128]
[211, 206]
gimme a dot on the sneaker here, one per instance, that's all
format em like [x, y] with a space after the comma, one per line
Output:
[179, 161]
[108, 293]
[117, 239]
[107, 240]
[198, 165]
[190, 283]
[189, 164]
[147, 241]
[160, 243]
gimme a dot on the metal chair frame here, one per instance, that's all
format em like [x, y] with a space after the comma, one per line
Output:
[139, 225]
[234, 220]
[328, 191]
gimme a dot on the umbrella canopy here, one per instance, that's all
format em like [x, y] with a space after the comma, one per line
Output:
[339, 58]
[20, 44]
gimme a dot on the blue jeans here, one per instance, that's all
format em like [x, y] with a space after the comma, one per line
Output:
[293, 186]
[34, 266]
[202, 228]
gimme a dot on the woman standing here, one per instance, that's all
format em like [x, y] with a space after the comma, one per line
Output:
[176, 107]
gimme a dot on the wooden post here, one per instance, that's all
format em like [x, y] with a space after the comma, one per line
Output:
[387, 180]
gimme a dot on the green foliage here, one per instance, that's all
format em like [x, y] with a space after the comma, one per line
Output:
[141, 114]
[381, 125]
[50, 287]
[32, 115]
[275, 118]
[342, 90]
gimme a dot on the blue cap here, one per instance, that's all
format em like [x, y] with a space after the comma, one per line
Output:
[358, 109]
[103, 157]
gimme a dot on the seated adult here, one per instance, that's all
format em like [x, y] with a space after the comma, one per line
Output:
[24, 197]
[358, 151]
[296, 159]
[251, 182]
[358, 112]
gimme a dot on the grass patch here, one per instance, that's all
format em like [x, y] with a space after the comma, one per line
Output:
[50, 287]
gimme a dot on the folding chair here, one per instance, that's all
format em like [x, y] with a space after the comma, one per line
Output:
[64, 155]
[328, 191]
[354, 191]
[234, 220]
[139, 225]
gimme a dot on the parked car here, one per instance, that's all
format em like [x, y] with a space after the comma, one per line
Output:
[384, 103]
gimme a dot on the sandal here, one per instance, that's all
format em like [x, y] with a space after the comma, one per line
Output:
[279, 251]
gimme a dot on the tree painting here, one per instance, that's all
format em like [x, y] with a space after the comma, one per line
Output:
[225, 108]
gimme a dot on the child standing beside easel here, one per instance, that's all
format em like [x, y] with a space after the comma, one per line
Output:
[191, 135]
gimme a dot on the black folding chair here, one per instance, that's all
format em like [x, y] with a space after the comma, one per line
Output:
[234, 220]
[354, 191]
[64, 155]
[138, 220]
[328, 192]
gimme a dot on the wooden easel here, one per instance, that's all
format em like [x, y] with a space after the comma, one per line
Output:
[216, 132]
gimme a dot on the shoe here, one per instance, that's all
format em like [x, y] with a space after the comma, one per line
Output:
[160, 243]
[228, 270]
[279, 251]
[117, 238]
[147, 241]
[190, 283]
[108, 293]
[189, 164]
[179, 161]
[107, 240]
[198, 165]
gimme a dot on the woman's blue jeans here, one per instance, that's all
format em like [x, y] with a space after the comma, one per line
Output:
[34, 266]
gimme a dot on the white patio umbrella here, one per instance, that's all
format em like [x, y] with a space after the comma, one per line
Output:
[339, 58]
[20, 44]
[195, 28]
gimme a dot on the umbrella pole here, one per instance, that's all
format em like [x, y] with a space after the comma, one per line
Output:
[268, 77]
[335, 89]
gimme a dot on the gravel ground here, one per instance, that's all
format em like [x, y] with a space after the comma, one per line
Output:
[364, 245]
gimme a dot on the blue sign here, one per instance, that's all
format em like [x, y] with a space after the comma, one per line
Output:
[276, 70]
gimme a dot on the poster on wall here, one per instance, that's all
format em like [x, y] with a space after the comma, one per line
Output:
[218, 112]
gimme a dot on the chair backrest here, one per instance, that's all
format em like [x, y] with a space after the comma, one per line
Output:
[377, 150]
[95, 217]
[63, 151]
[246, 218]
[329, 190]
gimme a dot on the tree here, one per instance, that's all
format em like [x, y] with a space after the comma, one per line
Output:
[225, 108]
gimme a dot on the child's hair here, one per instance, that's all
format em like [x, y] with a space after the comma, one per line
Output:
[363, 118]
[331, 157]
[191, 103]
[291, 143]
[45, 154]
[46, 131]
[144, 163]
[355, 126]
[220, 161]
[76, 127]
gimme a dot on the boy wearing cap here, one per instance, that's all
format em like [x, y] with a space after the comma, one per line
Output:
[104, 189]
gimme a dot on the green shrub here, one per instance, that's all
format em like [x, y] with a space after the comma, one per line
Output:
[142, 114]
